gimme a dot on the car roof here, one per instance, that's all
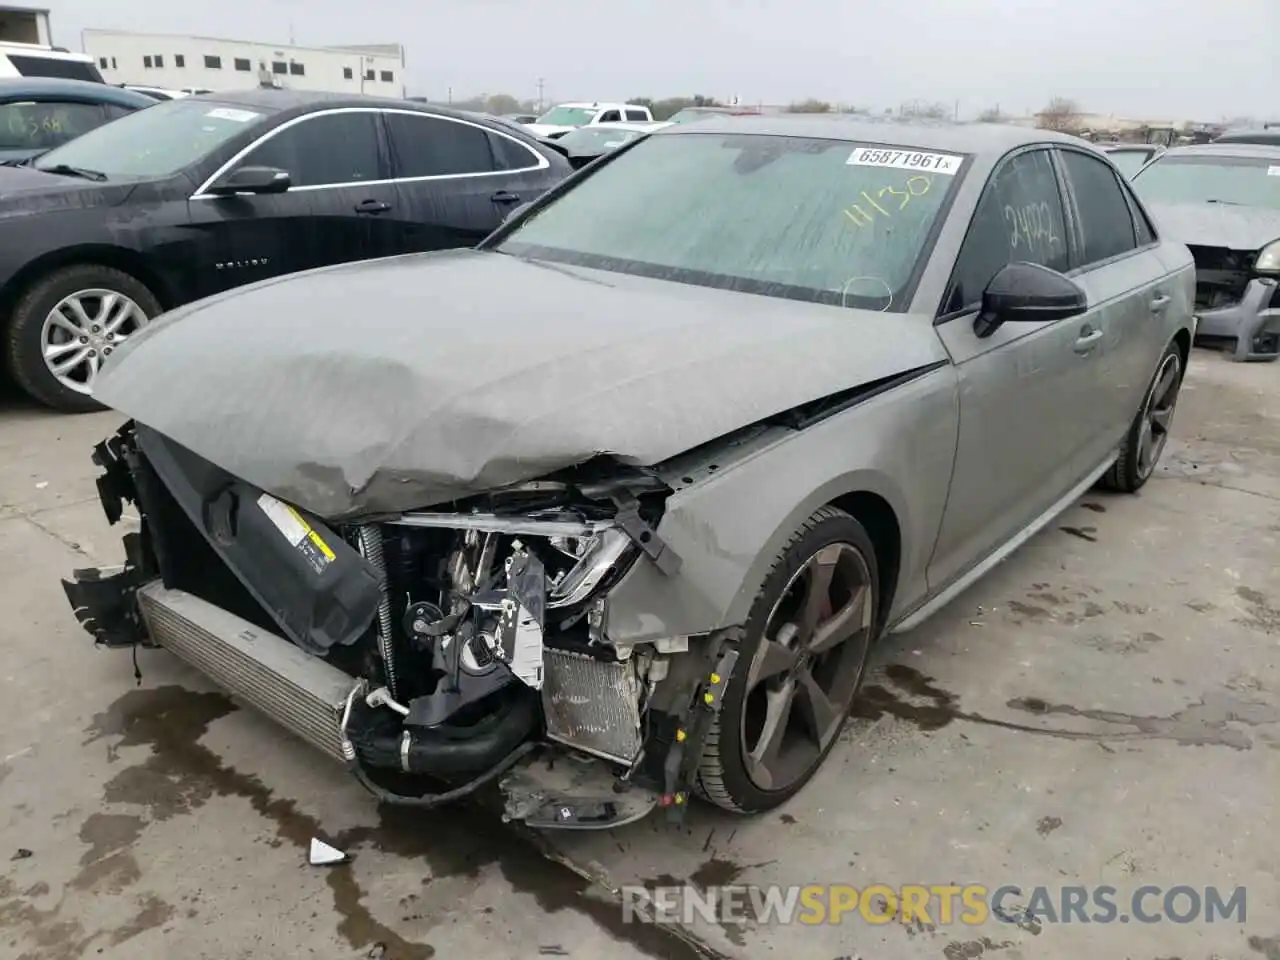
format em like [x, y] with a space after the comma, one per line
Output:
[637, 125]
[601, 104]
[989, 140]
[1250, 135]
[303, 100]
[1262, 151]
[12, 87]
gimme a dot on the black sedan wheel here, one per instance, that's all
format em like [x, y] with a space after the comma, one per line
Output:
[803, 655]
[67, 325]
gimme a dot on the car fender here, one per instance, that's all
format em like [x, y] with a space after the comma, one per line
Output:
[745, 498]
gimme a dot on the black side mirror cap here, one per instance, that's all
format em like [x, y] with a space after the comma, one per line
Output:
[252, 180]
[1028, 293]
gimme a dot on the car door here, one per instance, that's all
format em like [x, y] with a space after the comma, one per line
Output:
[452, 190]
[1128, 286]
[1027, 389]
[337, 207]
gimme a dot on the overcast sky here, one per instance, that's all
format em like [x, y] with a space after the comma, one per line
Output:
[1184, 59]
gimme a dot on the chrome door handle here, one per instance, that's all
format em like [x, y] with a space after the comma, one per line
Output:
[1087, 340]
[1159, 303]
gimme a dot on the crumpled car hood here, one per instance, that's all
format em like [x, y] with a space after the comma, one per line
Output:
[391, 385]
[1219, 225]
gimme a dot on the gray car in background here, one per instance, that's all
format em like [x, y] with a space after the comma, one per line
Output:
[643, 477]
[1223, 200]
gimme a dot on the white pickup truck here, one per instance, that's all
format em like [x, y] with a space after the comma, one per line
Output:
[564, 117]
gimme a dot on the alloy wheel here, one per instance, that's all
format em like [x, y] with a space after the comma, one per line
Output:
[82, 330]
[807, 667]
[1157, 415]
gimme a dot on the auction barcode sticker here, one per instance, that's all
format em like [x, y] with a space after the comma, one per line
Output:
[945, 163]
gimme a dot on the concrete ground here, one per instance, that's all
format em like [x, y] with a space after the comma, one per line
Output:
[1102, 709]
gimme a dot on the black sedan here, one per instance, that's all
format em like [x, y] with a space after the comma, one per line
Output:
[194, 196]
[40, 113]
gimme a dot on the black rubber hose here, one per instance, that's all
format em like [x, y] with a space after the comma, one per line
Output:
[440, 799]
[451, 753]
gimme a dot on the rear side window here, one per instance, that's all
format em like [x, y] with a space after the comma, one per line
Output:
[1019, 218]
[425, 146]
[334, 148]
[510, 155]
[1103, 210]
[44, 125]
[638, 116]
[53, 67]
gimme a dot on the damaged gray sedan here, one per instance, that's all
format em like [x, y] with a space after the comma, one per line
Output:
[610, 510]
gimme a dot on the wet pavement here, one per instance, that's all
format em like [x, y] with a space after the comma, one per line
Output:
[1104, 708]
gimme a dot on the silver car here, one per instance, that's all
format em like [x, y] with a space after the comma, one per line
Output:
[642, 478]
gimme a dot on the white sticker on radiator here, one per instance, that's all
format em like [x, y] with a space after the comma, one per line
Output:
[285, 520]
[946, 163]
[1273, 171]
[526, 658]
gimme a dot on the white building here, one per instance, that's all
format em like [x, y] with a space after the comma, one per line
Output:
[182, 62]
[25, 25]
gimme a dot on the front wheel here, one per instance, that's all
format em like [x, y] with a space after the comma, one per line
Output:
[1149, 432]
[803, 654]
[67, 324]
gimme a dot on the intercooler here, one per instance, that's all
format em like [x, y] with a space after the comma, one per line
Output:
[300, 692]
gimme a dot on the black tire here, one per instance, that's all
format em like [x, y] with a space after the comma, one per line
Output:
[1135, 465]
[723, 778]
[25, 350]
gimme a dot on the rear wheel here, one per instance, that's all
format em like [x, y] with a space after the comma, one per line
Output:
[1149, 432]
[802, 658]
[66, 324]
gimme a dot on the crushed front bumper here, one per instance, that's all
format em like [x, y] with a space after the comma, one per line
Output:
[1251, 326]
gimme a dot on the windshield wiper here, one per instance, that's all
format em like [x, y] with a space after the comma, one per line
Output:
[67, 170]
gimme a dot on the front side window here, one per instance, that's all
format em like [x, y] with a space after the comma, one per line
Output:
[1130, 161]
[610, 116]
[155, 142]
[436, 147]
[330, 149]
[1200, 178]
[567, 116]
[1019, 218]
[1105, 222]
[826, 221]
[44, 125]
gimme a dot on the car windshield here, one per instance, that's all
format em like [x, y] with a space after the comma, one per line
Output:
[1130, 161]
[567, 116]
[155, 142]
[822, 220]
[596, 138]
[1244, 181]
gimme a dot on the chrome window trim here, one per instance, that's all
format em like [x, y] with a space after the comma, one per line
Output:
[542, 162]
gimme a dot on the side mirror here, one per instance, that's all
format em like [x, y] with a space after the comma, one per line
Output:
[517, 210]
[252, 180]
[1028, 293]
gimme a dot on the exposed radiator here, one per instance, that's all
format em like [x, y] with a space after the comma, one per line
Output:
[298, 691]
[591, 704]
